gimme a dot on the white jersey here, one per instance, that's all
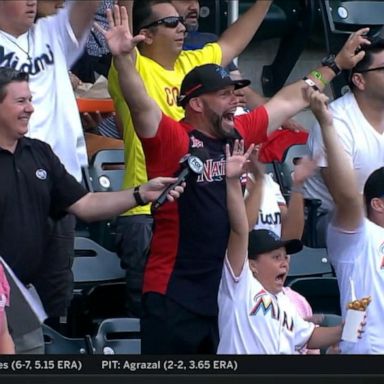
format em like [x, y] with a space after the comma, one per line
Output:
[53, 48]
[253, 321]
[360, 255]
[363, 144]
[270, 213]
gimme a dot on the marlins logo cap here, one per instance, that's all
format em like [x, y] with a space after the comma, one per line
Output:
[204, 79]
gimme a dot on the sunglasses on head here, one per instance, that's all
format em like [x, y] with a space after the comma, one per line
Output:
[169, 22]
[370, 69]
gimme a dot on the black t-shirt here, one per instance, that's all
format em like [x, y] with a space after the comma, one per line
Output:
[35, 185]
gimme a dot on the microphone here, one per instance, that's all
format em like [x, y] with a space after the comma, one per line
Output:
[190, 163]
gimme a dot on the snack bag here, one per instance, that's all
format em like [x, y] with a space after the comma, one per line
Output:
[355, 316]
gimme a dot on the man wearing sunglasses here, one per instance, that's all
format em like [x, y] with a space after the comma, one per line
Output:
[184, 268]
[162, 64]
[359, 122]
[196, 39]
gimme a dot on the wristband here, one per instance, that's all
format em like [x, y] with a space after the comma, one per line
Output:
[318, 75]
[297, 189]
[136, 195]
[311, 83]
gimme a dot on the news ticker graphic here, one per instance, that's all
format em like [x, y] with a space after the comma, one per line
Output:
[113, 364]
[192, 364]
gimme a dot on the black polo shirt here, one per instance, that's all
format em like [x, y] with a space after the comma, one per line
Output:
[34, 186]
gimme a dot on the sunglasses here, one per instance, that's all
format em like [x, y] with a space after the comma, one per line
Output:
[371, 69]
[168, 22]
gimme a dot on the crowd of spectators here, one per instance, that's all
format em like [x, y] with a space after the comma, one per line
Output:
[206, 270]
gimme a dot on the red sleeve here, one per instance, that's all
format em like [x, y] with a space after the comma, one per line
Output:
[253, 126]
[163, 151]
[278, 142]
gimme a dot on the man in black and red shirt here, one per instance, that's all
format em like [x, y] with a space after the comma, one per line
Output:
[184, 268]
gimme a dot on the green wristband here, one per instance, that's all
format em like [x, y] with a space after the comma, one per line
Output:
[318, 75]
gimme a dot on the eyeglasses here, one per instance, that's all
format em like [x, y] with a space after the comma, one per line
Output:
[371, 69]
[169, 22]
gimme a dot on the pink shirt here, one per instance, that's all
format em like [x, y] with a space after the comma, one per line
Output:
[4, 290]
[305, 311]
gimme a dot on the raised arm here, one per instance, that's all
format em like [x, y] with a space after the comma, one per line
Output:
[255, 184]
[292, 98]
[292, 218]
[238, 35]
[145, 112]
[104, 205]
[342, 185]
[128, 4]
[81, 16]
[238, 238]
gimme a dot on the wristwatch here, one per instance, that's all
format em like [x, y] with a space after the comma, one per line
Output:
[329, 61]
[136, 194]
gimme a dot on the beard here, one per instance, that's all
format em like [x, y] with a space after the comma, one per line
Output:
[216, 121]
[192, 27]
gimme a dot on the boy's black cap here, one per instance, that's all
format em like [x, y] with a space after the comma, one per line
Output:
[374, 186]
[264, 240]
[204, 79]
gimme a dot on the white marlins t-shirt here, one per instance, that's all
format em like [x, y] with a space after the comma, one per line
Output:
[360, 255]
[363, 144]
[53, 48]
[253, 321]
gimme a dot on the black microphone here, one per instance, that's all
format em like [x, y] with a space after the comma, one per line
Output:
[191, 162]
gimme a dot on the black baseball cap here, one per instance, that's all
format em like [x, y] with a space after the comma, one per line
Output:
[264, 240]
[374, 186]
[204, 79]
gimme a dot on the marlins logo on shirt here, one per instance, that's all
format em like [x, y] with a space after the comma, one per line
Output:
[265, 304]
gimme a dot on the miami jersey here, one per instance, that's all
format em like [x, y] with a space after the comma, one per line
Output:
[254, 321]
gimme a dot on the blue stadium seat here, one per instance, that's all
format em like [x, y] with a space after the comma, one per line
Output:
[321, 292]
[57, 344]
[118, 336]
[93, 263]
[105, 173]
[99, 287]
[309, 262]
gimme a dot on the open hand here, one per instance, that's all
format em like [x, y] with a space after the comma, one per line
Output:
[351, 54]
[236, 162]
[118, 36]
